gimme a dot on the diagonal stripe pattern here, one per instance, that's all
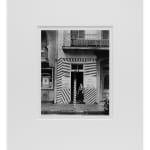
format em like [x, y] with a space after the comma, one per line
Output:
[90, 92]
[63, 94]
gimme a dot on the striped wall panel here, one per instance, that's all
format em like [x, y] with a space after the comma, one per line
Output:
[90, 91]
[59, 82]
[63, 89]
[63, 80]
[90, 95]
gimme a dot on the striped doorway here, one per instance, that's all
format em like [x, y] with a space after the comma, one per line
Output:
[74, 77]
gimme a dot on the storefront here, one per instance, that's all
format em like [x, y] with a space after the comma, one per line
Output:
[74, 66]
[73, 74]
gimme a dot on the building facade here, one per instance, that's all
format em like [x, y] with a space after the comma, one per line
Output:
[74, 66]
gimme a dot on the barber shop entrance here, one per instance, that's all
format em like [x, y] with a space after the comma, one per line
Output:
[76, 81]
[77, 93]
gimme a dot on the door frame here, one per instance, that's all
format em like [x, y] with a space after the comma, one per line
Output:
[76, 70]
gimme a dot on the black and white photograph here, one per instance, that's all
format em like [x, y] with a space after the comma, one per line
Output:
[75, 71]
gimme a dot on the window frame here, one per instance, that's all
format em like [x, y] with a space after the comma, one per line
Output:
[51, 77]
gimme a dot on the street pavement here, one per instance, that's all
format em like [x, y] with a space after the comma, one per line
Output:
[93, 109]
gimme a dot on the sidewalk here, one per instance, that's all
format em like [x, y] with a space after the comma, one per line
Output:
[91, 109]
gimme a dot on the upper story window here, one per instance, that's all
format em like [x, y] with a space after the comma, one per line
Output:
[77, 34]
[44, 49]
[105, 34]
[89, 38]
[43, 39]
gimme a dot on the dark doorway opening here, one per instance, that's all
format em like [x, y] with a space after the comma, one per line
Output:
[77, 93]
[73, 74]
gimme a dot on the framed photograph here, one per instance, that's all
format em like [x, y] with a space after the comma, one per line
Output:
[74, 75]
[80, 57]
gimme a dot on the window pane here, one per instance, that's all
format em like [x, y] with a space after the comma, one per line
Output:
[80, 66]
[81, 34]
[105, 34]
[43, 39]
[74, 34]
[74, 66]
[45, 65]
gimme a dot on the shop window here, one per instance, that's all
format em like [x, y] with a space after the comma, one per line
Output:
[47, 76]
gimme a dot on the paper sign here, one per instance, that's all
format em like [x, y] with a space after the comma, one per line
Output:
[45, 82]
[90, 82]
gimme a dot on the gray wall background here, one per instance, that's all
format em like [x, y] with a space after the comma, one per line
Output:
[26, 129]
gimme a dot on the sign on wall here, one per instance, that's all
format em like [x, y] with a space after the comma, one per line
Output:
[90, 81]
[47, 78]
[45, 82]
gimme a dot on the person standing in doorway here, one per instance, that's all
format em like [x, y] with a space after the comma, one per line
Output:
[80, 94]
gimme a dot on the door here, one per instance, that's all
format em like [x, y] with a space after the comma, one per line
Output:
[77, 96]
[79, 88]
